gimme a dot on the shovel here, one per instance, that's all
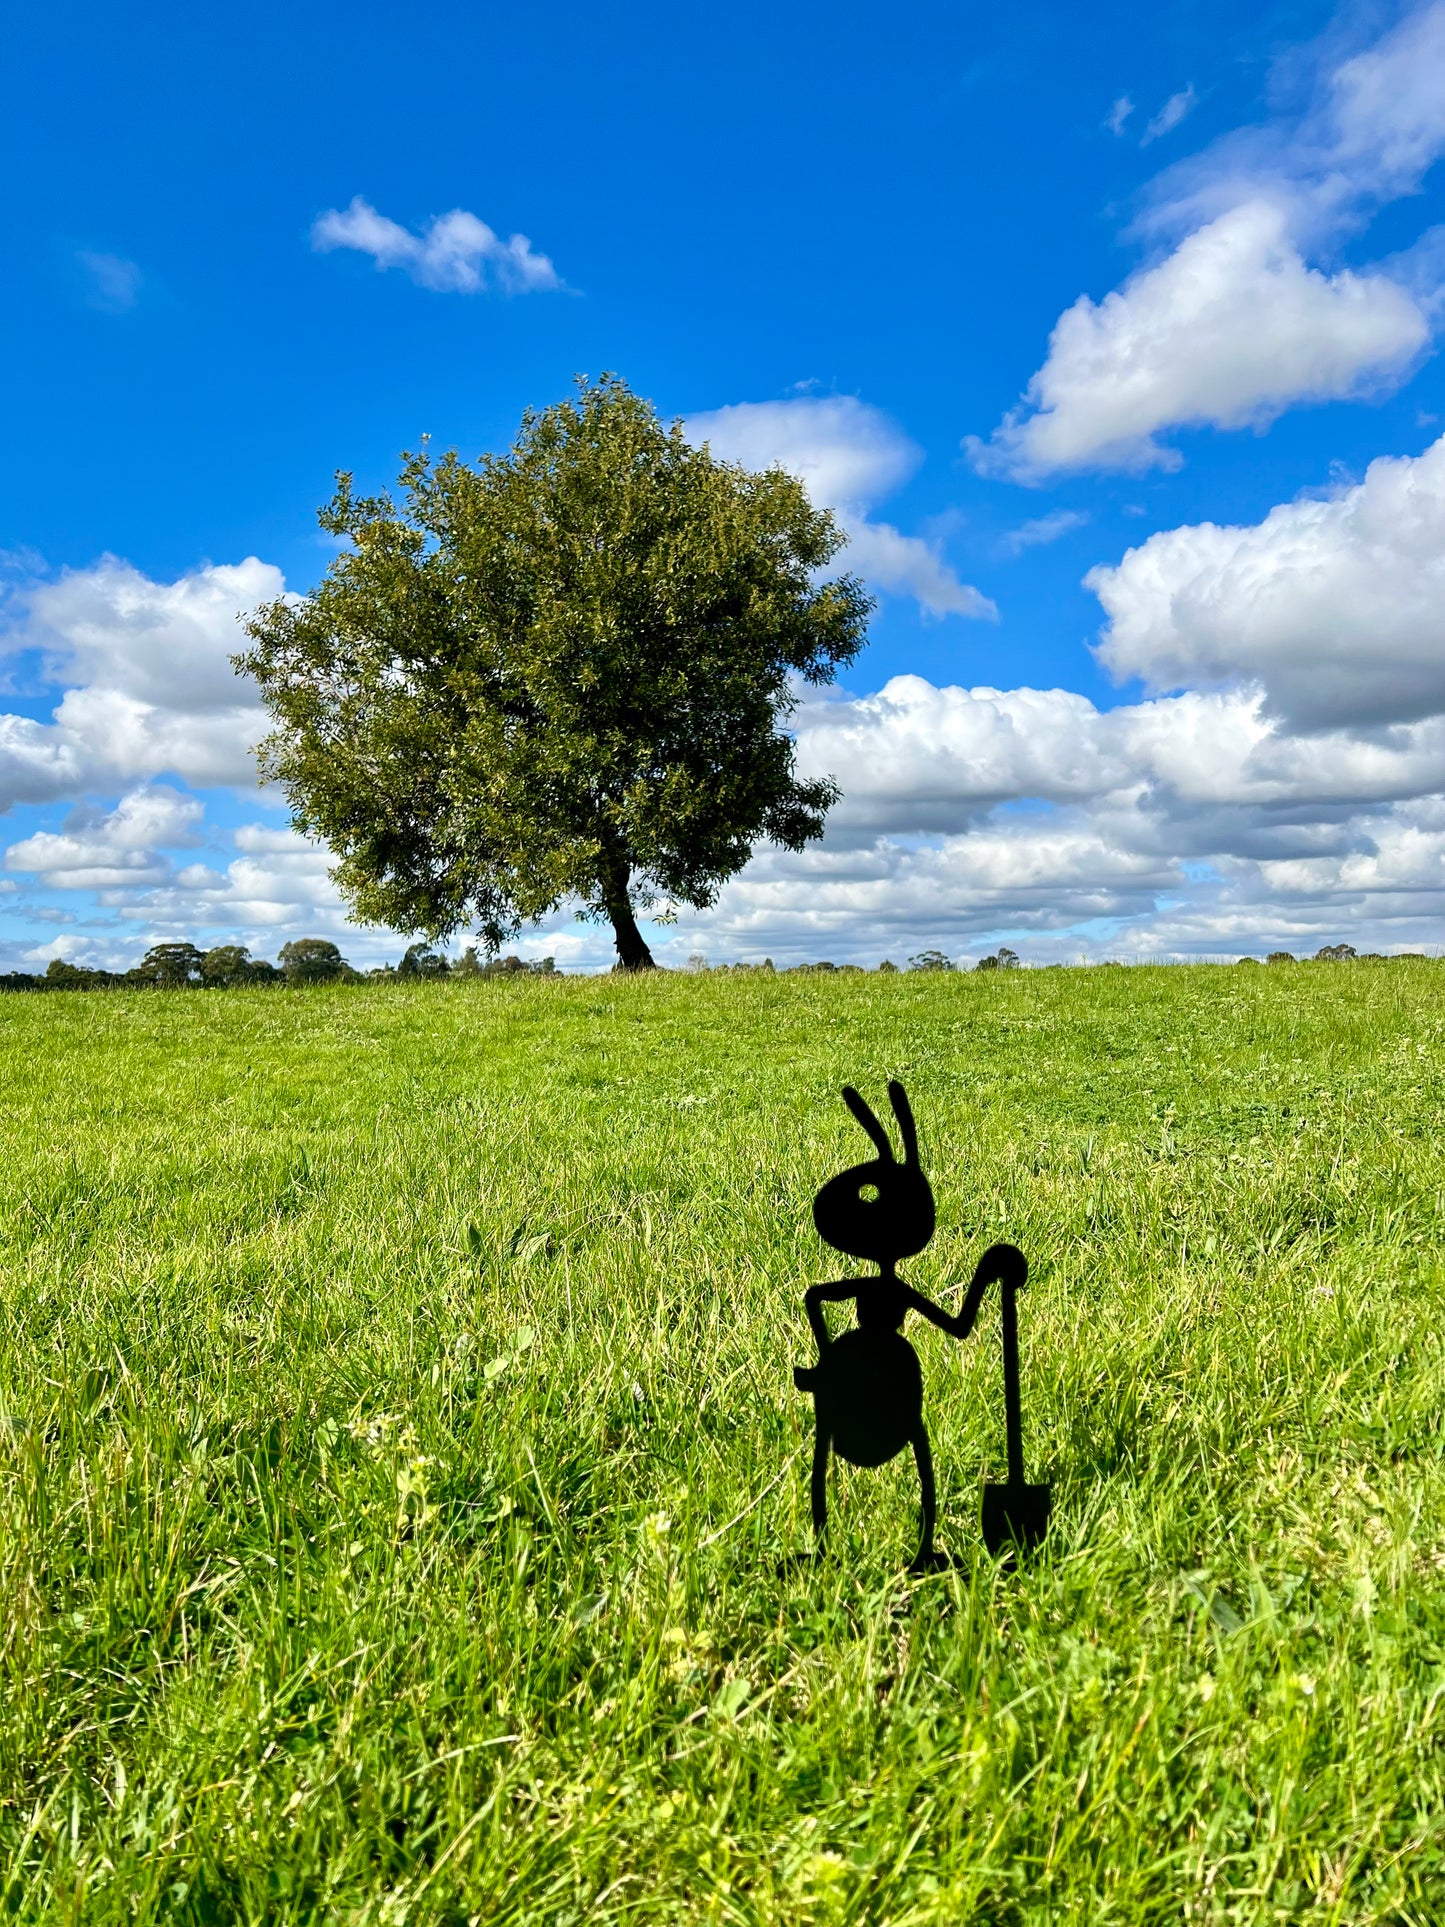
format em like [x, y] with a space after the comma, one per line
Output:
[1016, 1515]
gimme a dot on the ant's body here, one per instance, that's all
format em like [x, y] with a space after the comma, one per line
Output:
[867, 1385]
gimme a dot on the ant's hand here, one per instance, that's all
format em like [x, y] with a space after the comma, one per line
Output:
[1002, 1264]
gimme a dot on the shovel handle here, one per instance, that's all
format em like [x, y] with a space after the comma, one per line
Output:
[1012, 1413]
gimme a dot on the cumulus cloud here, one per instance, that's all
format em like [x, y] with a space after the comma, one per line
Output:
[454, 254]
[1044, 875]
[1233, 323]
[278, 884]
[917, 759]
[115, 849]
[1334, 608]
[1190, 824]
[147, 683]
[1231, 328]
[849, 456]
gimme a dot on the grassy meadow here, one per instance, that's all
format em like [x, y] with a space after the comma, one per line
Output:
[398, 1447]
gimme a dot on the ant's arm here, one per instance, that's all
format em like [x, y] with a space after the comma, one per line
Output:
[814, 1299]
[1002, 1264]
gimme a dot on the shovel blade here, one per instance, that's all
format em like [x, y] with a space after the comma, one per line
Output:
[1015, 1517]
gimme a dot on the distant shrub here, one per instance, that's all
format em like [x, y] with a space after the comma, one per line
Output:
[1003, 959]
[1247, 960]
[517, 967]
[887, 968]
[930, 960]
[1280, 956]
[1335, 953]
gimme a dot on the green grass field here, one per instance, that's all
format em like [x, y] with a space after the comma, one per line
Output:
[398, 1445]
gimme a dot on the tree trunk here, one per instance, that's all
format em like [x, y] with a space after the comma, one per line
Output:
[632, 950]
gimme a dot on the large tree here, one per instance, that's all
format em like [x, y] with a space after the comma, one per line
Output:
[558, 674]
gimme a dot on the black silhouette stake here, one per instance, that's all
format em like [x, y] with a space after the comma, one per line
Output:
[867, 1385]
[1015, 1515]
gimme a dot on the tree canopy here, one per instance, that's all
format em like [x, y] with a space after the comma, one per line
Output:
[312, 960]
[557, 674]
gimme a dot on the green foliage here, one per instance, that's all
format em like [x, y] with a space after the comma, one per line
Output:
[168, 966]
[1336, 953]
[230, 966]
[560, 673]
[398, 1444]
[930, 960]
[422, 961]
[60, 975]
[313, 960]
[1003, 959]
[1280, 957]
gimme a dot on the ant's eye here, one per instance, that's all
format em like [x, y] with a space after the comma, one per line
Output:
[869, 1193]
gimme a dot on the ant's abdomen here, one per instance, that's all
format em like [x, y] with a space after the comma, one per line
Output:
[869, 1390]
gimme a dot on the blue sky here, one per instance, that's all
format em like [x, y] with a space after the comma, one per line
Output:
[829, 236]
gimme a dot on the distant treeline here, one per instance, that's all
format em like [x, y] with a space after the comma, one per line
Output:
[230, 966]
[315, 960]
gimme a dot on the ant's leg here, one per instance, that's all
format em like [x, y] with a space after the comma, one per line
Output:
[821, 1443]
[923, 1458]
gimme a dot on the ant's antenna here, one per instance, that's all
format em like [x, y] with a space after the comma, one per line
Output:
[903, 1111]
[870, 1123]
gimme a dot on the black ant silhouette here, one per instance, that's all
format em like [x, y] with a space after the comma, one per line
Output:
[867, 1385]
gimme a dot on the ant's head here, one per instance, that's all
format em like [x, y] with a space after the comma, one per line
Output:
[881, 1210]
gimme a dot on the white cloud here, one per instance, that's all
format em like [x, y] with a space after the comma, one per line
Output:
[849, 456]
[1335, 607]
[454, 254]
[146, 675]
[915, 759]
[1118, 114]
[1386, 112]
[279, 884]
[1043, 529]
[1174, 110]
[106, 850]
[1188, 824]
[1235, 324]
[113, 284]
[1228, 330]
